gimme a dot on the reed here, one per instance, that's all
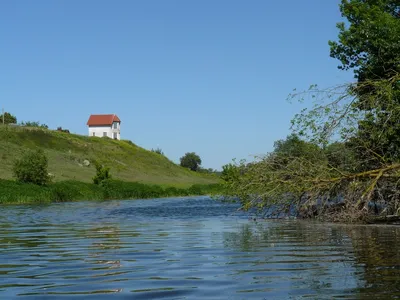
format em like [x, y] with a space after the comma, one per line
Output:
[12, 192]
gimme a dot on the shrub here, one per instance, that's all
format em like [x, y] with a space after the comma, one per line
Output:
[158, 151]
[102, 174]
[62, 130]
[34, 124]
[32, 168]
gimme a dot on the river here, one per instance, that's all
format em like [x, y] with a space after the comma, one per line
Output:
[189, 248]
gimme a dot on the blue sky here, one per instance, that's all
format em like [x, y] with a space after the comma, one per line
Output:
[205, 76]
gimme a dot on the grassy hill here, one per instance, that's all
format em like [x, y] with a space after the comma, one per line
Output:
[67, 152]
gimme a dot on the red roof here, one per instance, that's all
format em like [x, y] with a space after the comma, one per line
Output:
[98, 120]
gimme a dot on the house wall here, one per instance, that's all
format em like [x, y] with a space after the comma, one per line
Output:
[99, 130]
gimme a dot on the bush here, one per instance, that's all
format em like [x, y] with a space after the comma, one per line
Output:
[62, 130]
[32, 168]
[102, 174]
[34, 124]
[158, 151]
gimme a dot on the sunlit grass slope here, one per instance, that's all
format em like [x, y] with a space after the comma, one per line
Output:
[67, 153]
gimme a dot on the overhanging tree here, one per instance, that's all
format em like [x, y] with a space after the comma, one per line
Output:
[355, 125]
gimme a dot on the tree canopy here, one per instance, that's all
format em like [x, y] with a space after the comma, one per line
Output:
[8, 118]
[370, 44]
[370, 47]
[191, 160]
[344, 155]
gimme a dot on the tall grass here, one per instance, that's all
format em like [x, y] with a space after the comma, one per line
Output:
[12, 192]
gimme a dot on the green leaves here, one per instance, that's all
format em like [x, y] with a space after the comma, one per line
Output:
[347, 143]
[191, 161]
[369, 45]
[8, 118]
[34, 124]
[158, 151]
[102, 174]
[32, 168]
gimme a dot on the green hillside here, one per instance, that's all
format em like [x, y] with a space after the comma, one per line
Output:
[67, 153]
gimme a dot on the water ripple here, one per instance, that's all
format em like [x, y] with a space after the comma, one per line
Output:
[189, 248]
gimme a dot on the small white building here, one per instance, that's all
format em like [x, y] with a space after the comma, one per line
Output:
[105, 125]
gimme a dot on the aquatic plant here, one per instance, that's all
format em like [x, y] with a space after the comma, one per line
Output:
[13, 192]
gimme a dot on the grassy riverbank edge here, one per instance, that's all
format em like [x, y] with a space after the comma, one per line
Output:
[12, 192]
[73, 157]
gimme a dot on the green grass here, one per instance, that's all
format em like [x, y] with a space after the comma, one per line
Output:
[66, 153]
[12, 192]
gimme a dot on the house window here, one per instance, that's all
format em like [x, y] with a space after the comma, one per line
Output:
[104, 133]
[115, 125]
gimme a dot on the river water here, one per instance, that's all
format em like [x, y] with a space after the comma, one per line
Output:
[189, 248]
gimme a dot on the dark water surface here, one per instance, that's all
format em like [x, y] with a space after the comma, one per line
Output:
[191, 248]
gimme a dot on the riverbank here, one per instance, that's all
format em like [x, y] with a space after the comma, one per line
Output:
[12, 192]
[73, 157]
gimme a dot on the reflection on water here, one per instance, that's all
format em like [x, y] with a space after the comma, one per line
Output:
[377, 250]
[193, 248]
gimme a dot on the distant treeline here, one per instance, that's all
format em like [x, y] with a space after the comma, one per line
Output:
[10, 119]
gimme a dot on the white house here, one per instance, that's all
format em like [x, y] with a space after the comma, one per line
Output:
[105, 125]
